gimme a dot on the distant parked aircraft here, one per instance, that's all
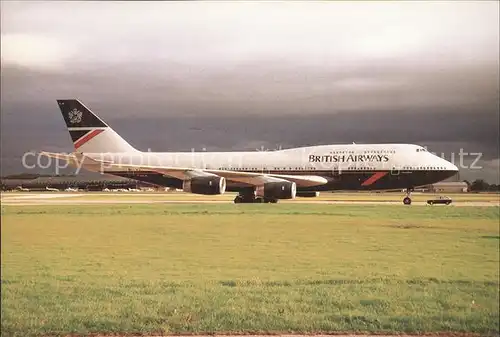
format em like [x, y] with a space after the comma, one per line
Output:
[69, 189]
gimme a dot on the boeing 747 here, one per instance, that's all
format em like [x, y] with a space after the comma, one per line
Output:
[264, 176]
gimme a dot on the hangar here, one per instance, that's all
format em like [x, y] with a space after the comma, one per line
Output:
[449, 186]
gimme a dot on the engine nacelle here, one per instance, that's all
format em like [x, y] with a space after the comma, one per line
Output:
[209, 185]
[277, 190]
[308, 194]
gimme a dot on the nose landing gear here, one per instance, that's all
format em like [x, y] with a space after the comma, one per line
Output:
[407, 199]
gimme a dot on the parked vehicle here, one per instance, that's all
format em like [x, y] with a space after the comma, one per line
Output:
[440, 200]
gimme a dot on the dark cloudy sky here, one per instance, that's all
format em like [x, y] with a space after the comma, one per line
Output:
[248, 75]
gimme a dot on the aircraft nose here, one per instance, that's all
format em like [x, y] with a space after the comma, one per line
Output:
[446, 165]
[451, 167]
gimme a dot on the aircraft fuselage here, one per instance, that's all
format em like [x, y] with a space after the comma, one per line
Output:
[346, 167]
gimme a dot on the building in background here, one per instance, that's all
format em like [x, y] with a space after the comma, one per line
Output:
[448, 187]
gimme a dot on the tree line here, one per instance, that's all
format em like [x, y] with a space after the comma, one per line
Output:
[479, 185]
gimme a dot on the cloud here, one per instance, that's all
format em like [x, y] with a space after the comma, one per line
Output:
[218, 34]
[34, 51]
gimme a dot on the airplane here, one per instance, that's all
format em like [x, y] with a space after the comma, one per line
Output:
[22, 189]
[120, 190]
[51, 189]
[257, 177]
[69, 189]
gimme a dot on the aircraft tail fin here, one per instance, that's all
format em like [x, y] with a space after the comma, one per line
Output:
[89, 133]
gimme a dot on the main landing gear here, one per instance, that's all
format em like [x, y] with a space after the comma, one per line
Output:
[407, 199]
[251, 199]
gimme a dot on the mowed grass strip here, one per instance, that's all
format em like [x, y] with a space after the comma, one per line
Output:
[493, 198]
[248, 268]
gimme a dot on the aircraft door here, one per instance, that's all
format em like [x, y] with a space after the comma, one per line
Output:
[395, 171]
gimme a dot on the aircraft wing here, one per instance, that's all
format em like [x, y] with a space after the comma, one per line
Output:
[185, 173]
[255, 178]
[251, 178]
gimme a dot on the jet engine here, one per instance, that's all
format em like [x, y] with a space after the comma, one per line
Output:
[277, 190]
[205, 185]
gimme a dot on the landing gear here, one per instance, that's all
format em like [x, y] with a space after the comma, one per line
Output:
[244, 199]
[407, 199]
[251, 199]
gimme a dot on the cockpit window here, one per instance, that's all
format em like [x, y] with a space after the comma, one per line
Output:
[421, 150]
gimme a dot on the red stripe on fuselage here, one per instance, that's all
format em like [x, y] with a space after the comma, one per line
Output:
[376, 176]
[87, 137]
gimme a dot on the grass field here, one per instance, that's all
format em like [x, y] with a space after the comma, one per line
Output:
[249, 268]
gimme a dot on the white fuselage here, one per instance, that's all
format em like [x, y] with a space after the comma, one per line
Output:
[358, 157]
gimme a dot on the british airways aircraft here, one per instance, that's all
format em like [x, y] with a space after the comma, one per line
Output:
[265, 176]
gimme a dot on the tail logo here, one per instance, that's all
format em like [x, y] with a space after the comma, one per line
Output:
[88, 136]
[75, 116]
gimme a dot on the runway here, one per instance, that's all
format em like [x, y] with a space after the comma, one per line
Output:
[34, 199]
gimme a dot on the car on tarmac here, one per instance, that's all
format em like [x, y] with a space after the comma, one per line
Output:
[440, 200]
